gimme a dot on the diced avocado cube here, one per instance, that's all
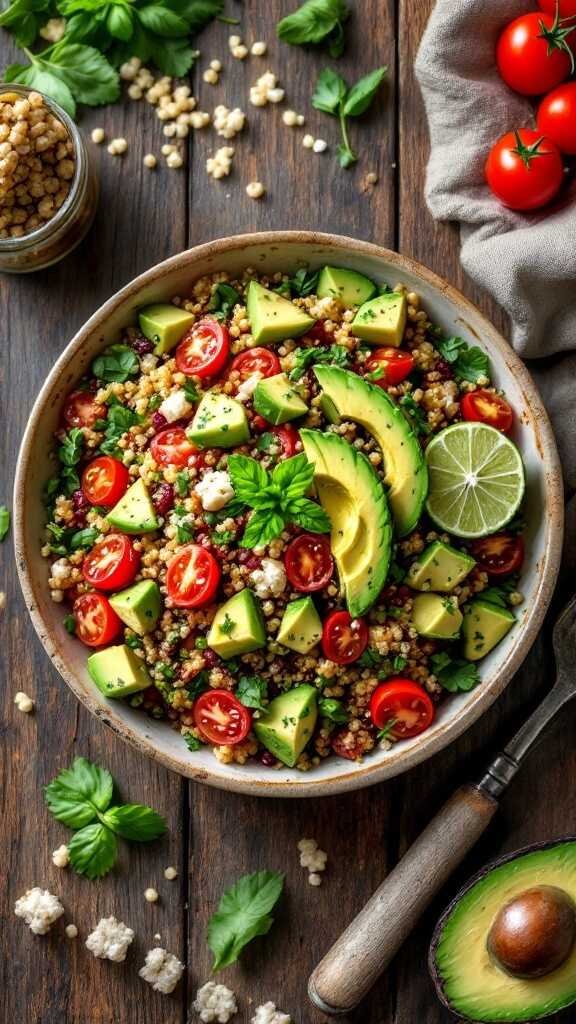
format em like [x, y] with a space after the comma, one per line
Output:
[118, 672]
[440, 567]
[274, 318]
[484, 626]
[301, 628]
[164, 324]
[277, 400]
[219, 422]
[351, 288]
[238, 626]
[135, 512]
[436, 616]
[288, 724]
[382, 320]
[139, 606]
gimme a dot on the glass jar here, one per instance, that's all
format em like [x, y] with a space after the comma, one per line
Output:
[53, 240]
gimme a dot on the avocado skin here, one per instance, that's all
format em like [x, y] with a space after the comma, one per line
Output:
[564, 845]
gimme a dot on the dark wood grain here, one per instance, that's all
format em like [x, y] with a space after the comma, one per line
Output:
[214, 837]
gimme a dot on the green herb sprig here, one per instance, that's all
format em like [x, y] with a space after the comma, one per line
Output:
[332, 709]
[467, 362]
[118, 420]
[455, 674]
[316, 22]
[333, 96]
[334, 355]
[4, 522]
[252, 691]
[243, 913]
[222, 301]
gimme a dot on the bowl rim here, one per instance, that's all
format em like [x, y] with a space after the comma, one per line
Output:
[367, 774]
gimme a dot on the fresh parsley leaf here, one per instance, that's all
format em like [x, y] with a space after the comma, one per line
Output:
[449, 348]
[37, 76]
[135, 821]
[199, 684]
[468, 363]
[93, 851]
[4, 522]
[334, 355]
[78, 793]
[316, 22]
[118, 421]
[182, 482]
[227, 626]
[399, 663]
[243, 913]
[222, 301]
[415, 415]
[117, 363]
[369, 658]
[265, 441]
[332, 709]
[190, 390]
[455, 674]
[191, 741]
[70, 450]
[252, 691]
[83, 538]
[70, 73]
[304, 282]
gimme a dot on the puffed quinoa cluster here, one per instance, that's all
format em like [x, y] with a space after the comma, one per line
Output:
[23, 702]
[266, 90]
[162, 970]
[314, 859]
[237, 47]
[37, 164]
[61, 857]
[268, 1014]
[292, 119]
[215, 1003]
[220, 164]
[39, 909]
[228, 123]
[110, 940]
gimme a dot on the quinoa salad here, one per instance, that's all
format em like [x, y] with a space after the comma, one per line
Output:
[285, 516]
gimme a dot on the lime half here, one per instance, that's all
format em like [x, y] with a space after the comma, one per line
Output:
[476, 479]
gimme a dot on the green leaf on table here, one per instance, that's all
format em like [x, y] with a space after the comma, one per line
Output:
[135, 821]
[162, 21]
[116, 364]
[93, 851]
[119, 22]
[35, 76]
[252, 691]
[316, 22]
[78, 793]
[362, 93]
[243, 913]
[329, 92]
[24, 18]
[4, 522]
[197, 13]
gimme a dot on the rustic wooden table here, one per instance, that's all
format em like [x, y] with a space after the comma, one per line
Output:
[214, 837]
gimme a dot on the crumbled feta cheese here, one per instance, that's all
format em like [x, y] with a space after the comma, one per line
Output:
[259, 48]
[23, 702]
[215, 1002]
[39, 908]
[247, 387]
[110, 940]
[170, 873]
[320, 146]
[228, 122]
[151, 895]
[61, 856]
[71, 931]
[175, 407]
[255, 189]
[268, 1014]
[220, 165]
[270, 579]
[214, 490]
[162, 970]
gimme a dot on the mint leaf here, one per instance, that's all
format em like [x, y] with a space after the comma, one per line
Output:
[243, 913]
[294, 476]
[4, 522]
[93, 851]
[78, 793]
[316, 22]
[135, 821]
[309, 515]
[362, 93]
[252, 691]
[263, 526]
[249, 478]
[117, 363]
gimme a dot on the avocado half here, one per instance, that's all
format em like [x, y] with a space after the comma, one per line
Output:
[468, 981]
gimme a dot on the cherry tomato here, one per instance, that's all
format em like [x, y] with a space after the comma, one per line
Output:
[112, 563]
[533, 54]
[500, 554]
[404, 702]
[96, 620]
[192, 577]
[203, 351]
[566, 8]
[309, 564]
[104, 481]
[288, 437]
[557, 117]
[524, 170]
[391, 366]
[221, 718]
[171, 447]
[82, 410]
[256, 360]
[485, 407]
[343, 638]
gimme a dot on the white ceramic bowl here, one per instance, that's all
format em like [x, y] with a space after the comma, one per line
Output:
[285, 250]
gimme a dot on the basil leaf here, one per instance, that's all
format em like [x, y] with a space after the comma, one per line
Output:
[93, 851]
[315, 22]
[117, 363]
[329, 92]
[83, 538]
[252, 691]
[77, 794]
[119, 22]
[197, 13]
[248, 476]
[363, 92]
[24, 18]
[294, 476]
[39, 77]
[135, 821]
[173, 57]
[162, 21]
[309, 515]
[333, 709]
[4, 522]
[243, 913]
[262, 527]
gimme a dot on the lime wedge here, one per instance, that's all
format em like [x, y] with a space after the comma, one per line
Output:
[476, 479]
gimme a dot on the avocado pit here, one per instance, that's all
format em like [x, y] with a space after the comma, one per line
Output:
[533, 934]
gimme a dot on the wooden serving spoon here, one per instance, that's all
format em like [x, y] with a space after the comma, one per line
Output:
[364, 950]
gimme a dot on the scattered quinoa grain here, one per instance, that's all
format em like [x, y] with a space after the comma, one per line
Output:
[98, 135]
[151, 895]
[320, 146]
[170, 873]
[255, 189]
[308, 142]
[71, 931]
[150, 160]
[117, 147]
[174, 160]
[61, 856]
[258, 49]
[23, 702]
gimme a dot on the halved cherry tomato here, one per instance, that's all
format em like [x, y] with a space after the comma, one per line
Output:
[485, 407]
[104, 481]
[344, 638]
[96, 620]
[557, 116]
[498, 555]
[221, 718]
[308, 561]
[533, 54]
[112, 563]
[203, 351]
[192, 577]
[566, 8]
[404, 702]
[288, 437]
[82, 410]
[171, 447]
[390, 366]
[256, 360]
[524, 170]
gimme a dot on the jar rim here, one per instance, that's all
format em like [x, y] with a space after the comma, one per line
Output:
[45, 230]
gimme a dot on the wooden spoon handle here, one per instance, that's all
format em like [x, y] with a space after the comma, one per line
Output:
[365, 949]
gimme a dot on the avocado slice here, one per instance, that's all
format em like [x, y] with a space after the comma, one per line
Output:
[382, 320]
[469, 980]
[238, 626]
[219, 422]
[350, 287]
[406, 473]
[354, 499]
[484, 626]
[288, 724]
[164, 324]
[274, 318]
[301, 628]
[277, 400]
[139, 606]
[439, 567]
[118, 672]
[436, 616]
[134, 513]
